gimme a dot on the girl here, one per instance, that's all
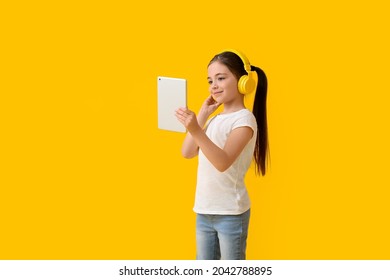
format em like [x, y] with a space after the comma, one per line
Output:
[225, 148]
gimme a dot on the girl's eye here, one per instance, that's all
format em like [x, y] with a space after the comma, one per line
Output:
[209, 82]
[221, 78]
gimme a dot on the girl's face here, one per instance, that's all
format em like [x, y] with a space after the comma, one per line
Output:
[223, 84]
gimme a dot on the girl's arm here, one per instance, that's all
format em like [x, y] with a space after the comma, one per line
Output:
[190, 148]
[222, 159]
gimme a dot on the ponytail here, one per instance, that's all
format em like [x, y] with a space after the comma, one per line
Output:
[261, 152]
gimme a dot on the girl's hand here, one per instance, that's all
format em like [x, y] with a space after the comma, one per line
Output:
[209, 106]
[188, 119]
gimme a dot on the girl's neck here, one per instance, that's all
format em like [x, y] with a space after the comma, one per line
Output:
[233, 107]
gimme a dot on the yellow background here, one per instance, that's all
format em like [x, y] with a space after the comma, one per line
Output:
[86, 174]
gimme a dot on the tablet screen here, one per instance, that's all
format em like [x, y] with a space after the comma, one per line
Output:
[171, 95]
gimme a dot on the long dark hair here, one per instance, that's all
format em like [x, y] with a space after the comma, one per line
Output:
[236, 66]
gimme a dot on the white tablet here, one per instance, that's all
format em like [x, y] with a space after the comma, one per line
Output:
[171, 95]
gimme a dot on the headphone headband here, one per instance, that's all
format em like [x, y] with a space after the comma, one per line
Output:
[244, 59]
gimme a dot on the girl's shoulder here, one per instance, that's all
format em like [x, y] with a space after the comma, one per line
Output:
[245, 114]
[245, 118]
[237, 114]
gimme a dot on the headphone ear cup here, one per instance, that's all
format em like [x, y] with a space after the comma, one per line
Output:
[246, 84]
[242, 83]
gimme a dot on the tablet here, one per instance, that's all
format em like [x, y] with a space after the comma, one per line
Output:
[171, 95]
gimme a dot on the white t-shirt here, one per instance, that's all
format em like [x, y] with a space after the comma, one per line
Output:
[224, 193]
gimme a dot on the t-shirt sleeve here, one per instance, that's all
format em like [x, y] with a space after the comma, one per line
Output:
[247, 120]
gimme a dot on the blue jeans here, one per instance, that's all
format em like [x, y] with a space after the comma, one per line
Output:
[221, 236]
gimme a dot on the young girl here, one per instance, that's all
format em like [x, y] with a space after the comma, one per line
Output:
[226, 145]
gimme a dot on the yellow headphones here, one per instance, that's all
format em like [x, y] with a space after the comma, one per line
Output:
[246, 83]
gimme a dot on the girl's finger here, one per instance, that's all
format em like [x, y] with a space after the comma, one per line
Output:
[180, 112]
[183, 111]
